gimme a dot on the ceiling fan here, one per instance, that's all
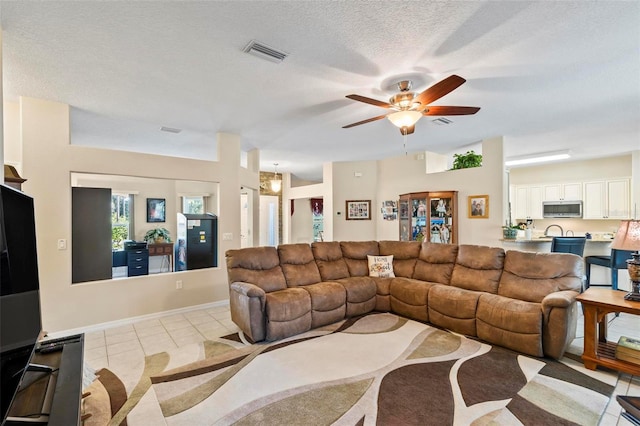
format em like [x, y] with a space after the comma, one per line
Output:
[409, 107]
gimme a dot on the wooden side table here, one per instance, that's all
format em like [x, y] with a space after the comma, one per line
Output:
[162, 249]
[597, 303]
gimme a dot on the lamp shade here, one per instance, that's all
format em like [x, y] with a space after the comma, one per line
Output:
[404, 118]
[628, 236]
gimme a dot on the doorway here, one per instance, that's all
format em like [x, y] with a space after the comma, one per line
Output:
[269, 220]
[246, 218]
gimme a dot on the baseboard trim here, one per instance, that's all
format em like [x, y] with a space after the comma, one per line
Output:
[131, 320]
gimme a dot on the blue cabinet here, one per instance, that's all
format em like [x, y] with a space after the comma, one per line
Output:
[137, 262]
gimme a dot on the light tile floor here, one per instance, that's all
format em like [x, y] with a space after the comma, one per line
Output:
[152, 336]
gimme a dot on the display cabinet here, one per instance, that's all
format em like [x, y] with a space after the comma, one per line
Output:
[429, 216]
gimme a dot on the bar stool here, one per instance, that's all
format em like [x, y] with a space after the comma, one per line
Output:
[617, 260]
[573, 245]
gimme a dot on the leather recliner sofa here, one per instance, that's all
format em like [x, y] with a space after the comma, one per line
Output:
[519, 300]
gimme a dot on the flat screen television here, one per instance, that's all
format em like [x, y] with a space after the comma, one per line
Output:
[20, 320]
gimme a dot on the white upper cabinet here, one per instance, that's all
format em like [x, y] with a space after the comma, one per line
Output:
[563, 191]
[527, 203]
[607, 199]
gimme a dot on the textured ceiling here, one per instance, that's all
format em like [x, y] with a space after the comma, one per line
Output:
[547, 75]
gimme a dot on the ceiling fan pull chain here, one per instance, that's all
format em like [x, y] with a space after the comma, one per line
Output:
[405, 144]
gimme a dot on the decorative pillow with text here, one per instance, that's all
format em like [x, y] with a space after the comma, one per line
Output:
[381, 266]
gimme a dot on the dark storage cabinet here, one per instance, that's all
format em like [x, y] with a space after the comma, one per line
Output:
[137, 262]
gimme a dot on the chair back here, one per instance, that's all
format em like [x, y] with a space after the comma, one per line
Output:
[573, 245]
[619, 258]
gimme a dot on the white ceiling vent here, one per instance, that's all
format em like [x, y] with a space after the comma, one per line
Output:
[442, 121]
[263, 51]
[170, 129]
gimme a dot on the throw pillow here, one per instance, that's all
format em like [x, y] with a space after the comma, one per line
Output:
[381, 266]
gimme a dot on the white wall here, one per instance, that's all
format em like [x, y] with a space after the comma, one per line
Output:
[302, 221]
[49, 159]
[348, 186]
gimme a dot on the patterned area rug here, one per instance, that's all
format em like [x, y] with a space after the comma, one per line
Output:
[377, 369]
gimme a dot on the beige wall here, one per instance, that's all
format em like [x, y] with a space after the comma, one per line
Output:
[572, 171]
[407, 174]
[302, 222]
[49, 159]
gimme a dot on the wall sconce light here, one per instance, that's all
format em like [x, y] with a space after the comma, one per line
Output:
[276, 182]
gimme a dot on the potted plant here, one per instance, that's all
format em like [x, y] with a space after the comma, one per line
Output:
[466, 161]
[510, 231]
[157, 235]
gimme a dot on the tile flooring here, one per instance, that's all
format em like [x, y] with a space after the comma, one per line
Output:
[175, 330]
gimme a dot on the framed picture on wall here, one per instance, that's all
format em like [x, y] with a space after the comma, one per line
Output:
[358, 209]
[156, 209]
[478, 206]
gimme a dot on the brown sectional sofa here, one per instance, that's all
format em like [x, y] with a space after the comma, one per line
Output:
[519, 300]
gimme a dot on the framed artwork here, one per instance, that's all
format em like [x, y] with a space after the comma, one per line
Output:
[358, 209]
[478, 206]
[156, 209]
[389, 210]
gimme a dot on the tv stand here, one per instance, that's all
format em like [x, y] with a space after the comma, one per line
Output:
[51, 390]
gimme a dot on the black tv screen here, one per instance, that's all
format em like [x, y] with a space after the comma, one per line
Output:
[20, 320]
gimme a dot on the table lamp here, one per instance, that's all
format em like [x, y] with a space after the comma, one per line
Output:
[628, 238]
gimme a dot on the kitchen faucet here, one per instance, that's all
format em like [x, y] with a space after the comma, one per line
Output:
[572, 234]
[547, 230]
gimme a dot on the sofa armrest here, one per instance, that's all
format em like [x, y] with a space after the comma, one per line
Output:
[559, 299]
[248, 289]
[247, 304]
[559, 320]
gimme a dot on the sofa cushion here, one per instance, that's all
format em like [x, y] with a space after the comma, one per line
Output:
[380, 266]
[532, 276]
[405, 254]
[355, 255]
[361, 295]
[435, 262]
[514, 324]
[454, 308]
[328, 303]
[409, 297]
[478, 268]
[256, 265]
[331, 264]
[288, 312]
[298, 265]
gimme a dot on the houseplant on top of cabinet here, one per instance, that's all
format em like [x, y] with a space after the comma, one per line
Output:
[157, 235]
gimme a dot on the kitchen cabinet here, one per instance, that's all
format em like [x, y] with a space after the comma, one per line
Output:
[607, 199]
[563, 191]
[429, 216]
[527, 202]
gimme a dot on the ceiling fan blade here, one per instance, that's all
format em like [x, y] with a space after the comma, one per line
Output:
[407, 130]
[450, 110]
[440, 89]
[369, 101]
[368, 120]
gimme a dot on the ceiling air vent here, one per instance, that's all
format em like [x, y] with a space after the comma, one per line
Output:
[263, 51]
[442, 121]
[170, 129]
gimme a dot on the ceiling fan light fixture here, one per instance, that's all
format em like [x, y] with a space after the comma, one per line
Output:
[402, 119]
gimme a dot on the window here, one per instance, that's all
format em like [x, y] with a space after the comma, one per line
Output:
[193, 204]
[121, 224]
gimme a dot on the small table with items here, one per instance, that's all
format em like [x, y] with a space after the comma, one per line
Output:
[597, 303]
[162, 249]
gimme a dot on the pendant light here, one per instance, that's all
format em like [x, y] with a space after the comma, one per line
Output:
[276, 182]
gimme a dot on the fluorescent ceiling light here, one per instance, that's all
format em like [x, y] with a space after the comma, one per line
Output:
[538, 158]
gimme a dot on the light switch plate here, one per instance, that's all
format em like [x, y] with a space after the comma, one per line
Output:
[62, 244]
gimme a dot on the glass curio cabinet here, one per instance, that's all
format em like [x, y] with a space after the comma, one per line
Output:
[429, 216]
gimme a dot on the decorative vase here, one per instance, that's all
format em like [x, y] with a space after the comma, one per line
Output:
[509, 233]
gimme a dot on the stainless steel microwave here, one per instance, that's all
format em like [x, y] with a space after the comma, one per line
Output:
[562, 208]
